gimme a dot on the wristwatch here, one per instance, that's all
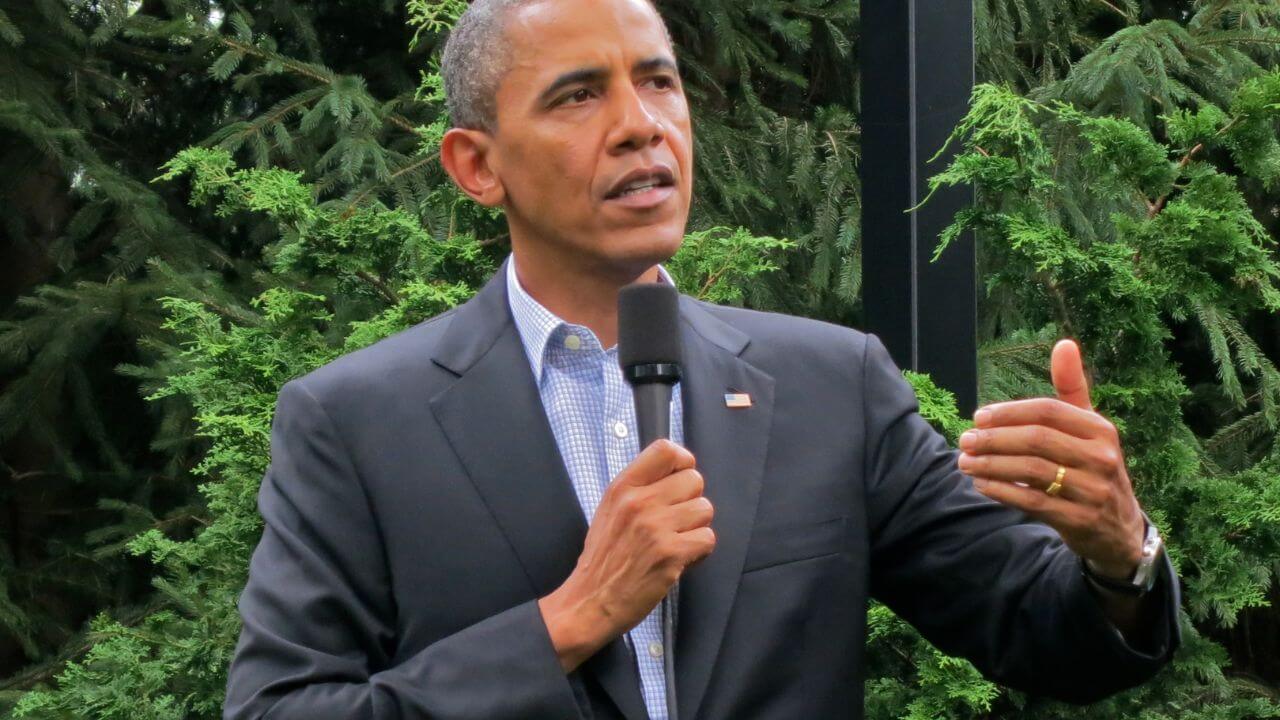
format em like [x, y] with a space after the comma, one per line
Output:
[1144, 578]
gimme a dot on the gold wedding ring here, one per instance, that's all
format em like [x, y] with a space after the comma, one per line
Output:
[1056, 486]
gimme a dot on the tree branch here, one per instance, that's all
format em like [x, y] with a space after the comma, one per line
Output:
[380, 285]
[424, 160]
[1154, 208]
[301, 69]
[1119, 12]
[47, 671]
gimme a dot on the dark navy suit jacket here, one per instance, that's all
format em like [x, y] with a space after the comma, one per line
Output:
[416, 507]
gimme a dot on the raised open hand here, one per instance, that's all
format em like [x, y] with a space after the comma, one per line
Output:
[1060, 462]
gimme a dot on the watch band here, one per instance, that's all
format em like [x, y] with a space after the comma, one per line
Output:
[1144, 577]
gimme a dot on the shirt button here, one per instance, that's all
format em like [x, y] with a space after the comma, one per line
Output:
[573, 342]
[655, 649]
[620, 429]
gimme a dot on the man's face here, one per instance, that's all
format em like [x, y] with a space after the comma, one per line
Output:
[593, 146]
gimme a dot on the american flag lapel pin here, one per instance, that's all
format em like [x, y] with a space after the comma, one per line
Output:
[734, 399]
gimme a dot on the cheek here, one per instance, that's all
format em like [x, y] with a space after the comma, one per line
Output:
[683, 149]
[681, 138]
[558, 169]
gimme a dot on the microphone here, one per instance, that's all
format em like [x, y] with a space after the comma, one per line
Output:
[649, 353]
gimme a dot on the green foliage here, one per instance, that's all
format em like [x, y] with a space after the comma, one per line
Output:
[1125, 155]
[173, 664]
[433, 15]
[1034, 42]
[1103, 229]
[716, 264]
[96, 96]
[938, 406]
[912, 680]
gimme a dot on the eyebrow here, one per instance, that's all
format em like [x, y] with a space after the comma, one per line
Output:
[596, 74]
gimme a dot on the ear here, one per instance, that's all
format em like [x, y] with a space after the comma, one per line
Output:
[467, 155]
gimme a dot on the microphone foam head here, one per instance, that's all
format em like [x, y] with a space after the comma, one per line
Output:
[648, 324]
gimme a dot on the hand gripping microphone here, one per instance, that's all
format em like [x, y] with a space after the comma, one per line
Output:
[649, 352]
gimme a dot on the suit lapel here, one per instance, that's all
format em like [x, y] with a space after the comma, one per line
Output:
[494, 420]
[730, 445]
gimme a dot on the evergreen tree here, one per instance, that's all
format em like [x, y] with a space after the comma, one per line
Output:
[79, 220]
[1135, 239]
[1125, 158]
[96, 97]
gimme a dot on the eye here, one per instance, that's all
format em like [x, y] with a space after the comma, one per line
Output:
[664, 82]
[580, 95]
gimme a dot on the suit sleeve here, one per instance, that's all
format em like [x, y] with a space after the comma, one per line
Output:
[320, 623]
[981, 580]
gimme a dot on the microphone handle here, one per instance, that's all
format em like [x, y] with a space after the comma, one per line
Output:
[669, 651]
[653, 411]
[653, 422]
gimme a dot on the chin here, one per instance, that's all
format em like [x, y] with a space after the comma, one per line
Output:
[639, 250]
[658, 241]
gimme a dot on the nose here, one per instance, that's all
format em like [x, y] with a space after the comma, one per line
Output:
[637, 126]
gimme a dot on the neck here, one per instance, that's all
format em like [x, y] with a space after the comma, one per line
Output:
[578, 295]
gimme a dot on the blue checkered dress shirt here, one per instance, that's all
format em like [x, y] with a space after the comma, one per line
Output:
[592, 414]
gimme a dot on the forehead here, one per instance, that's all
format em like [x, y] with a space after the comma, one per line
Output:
[547, 38]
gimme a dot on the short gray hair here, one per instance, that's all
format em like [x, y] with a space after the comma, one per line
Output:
[476, 58]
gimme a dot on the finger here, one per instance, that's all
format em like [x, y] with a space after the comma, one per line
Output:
[655, 462]
[1053, 511]
[1055, 413]
[678, 487]
[697, 543]
[692, 514]
[1067, 370]
[1040, 441]
[1038, 473]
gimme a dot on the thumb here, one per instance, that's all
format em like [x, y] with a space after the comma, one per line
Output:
[1067, 371]
[660, 459]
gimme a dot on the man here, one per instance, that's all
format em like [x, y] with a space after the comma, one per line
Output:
[460, 524]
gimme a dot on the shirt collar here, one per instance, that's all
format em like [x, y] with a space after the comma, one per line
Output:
[535, 323]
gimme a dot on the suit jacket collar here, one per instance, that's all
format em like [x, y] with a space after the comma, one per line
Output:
[495, 422]
[478, 323]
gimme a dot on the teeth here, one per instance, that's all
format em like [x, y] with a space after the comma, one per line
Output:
[634, 189]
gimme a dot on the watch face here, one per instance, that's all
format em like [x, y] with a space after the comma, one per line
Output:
[1151, 546]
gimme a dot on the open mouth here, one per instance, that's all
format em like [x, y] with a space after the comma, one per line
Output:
[637, 189]
[642, 182]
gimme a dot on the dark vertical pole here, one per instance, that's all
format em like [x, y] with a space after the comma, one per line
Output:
[917, 75]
